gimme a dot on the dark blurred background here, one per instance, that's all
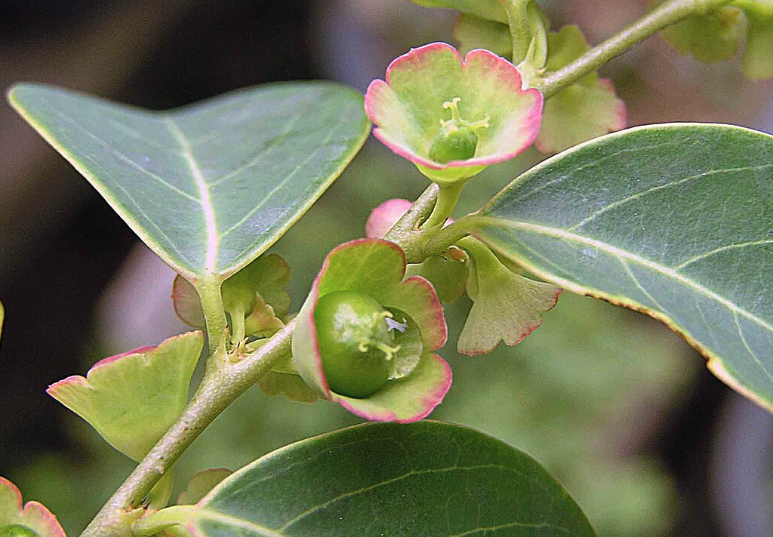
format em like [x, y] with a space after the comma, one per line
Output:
[613, 404]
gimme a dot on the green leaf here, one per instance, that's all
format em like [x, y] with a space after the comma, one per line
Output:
[448, 276]
[757, 60]
[586, 109]
[474, 32]
[201, 483]
[672, 220]
[24, 520]
[133, 398]
[508, 307]
[426, 479]
[210, 186]
[713, 37]
[486, 9]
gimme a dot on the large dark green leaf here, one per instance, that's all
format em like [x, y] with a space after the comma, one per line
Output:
[425, 479]
[673, 220]
[212, 185]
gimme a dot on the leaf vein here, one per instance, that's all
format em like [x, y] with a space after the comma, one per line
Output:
[213, 242]
[643, 193]
[612, 250]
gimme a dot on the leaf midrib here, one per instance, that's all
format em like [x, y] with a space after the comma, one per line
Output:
[624, 254]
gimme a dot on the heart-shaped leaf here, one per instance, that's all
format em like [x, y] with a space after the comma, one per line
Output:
[212, 185]
[672, 220]
[426, 479]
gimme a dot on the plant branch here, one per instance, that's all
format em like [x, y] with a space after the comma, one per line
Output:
[220, 387]
[222, 384]
[668, 13]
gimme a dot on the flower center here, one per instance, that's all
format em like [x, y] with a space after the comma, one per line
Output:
[375, 337]
[457, 139]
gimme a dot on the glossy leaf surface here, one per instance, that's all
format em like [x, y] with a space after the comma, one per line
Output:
[212, 185]
[425, 479]
[672, 220]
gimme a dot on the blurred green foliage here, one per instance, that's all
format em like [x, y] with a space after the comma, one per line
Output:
[579, 395]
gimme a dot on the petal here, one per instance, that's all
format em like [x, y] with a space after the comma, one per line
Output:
[418, 299]
[406, 400]
[33, 515]
[383, 217]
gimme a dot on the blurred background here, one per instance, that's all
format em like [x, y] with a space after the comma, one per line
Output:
[612, 403]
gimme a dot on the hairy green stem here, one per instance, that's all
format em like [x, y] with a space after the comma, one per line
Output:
[220, 387]
[668, 13]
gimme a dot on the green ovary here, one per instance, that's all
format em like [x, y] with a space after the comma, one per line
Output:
[17, 530]
[355, 344]
[456, 139]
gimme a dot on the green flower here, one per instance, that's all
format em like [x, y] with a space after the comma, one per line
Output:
[453, 116]
[366, 337]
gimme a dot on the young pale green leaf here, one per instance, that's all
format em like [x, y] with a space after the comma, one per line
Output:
[757, 60]
[426, 479]
[200, 485]
[508, 307]
[132, 399]
[210, 186]
[671, 220]
[474, 32]
[24, 520]
[485, 9]
[448, 276]
[713, 37]
[586, 109]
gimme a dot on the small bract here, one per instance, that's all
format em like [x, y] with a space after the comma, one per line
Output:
[453, 116]
[366, 338]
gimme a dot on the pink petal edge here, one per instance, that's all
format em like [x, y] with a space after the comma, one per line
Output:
[621, 114]
[386, 215]
[437, 309]
[531, 121]
[429, 402]
[34, 508]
